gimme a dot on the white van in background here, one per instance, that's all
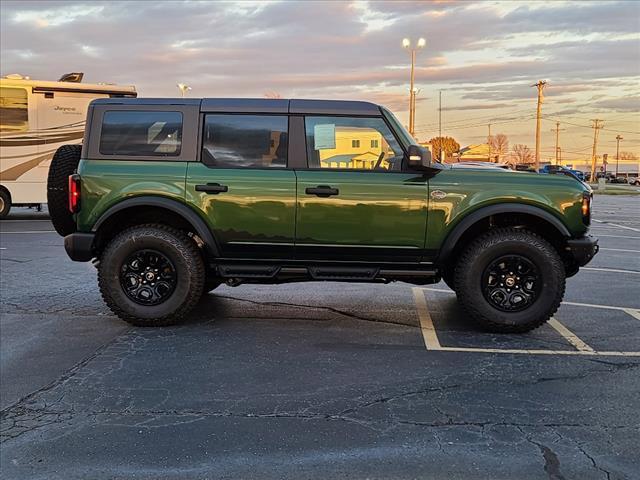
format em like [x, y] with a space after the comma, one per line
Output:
[36, 117]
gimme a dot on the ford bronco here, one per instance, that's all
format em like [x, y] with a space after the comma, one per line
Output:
[173, 197]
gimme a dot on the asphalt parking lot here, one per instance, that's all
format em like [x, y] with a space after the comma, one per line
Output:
[317, 380]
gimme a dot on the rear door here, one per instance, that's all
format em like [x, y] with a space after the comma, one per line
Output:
[355, 203]
[243, 187]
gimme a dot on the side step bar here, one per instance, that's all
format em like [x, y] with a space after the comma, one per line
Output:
[270, 273]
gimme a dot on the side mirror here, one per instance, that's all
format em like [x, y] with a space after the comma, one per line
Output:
[419, 157]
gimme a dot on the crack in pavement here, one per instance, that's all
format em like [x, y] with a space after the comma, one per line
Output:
[317, 307]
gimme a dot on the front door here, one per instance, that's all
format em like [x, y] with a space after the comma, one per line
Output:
[242, 186]
[354, 201]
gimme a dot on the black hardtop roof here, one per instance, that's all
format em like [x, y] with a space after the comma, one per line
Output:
[256, 105]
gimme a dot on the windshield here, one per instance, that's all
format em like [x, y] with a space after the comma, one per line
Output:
[405, 137]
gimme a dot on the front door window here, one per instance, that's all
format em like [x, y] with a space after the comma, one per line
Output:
[352, 143]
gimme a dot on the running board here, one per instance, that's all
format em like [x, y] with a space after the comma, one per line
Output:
[273, 273]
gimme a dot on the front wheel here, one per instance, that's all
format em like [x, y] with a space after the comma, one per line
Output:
[510, 280]
[151, 275]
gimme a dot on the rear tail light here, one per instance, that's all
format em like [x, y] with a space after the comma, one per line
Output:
[74, 193]
[586, 208]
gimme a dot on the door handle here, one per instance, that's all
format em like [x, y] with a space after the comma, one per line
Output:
[322, 191]
[212, 188]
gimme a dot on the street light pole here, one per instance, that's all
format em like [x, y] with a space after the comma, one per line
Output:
[406, 43]
[618, 138]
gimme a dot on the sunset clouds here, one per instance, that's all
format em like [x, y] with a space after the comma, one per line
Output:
[483, 55]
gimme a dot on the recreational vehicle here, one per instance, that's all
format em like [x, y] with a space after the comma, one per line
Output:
[36, 117]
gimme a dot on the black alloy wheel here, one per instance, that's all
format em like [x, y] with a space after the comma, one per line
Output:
[511, 283]
[148, 277]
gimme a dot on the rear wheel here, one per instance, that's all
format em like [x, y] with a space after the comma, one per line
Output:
[151, 275]
[5, 203]
[510, 280]
[64, 163]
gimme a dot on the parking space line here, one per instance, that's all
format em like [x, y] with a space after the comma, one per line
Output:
[30, 231]
[430, 335]
[569, 336]
[617, 225]
[617, 236]
[426, 323]
[611, 270]
[633, 312]
[619, 250]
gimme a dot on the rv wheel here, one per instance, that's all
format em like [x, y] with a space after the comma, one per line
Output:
[5, 203]
[64, 163]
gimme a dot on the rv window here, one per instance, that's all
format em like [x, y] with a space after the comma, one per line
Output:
[14, 110]
[141, 133]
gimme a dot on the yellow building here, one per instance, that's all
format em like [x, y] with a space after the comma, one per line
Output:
[355, 148]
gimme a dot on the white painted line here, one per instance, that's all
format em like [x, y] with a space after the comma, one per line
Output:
[617, 236]
[620, 250]
[574, 304]
[538, 352]
[612, 270]
[569, 336]
[29, 231]
[3, 248]
[429, 334]
[633, 312]
[618, 225]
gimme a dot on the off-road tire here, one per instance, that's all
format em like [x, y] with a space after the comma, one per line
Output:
[174, 244]
[490, 246]
[5, 203]
[64, 163]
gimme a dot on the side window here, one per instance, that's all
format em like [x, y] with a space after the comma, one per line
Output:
[245, 141]
[141, 133]
[14, 110]
[360, 143]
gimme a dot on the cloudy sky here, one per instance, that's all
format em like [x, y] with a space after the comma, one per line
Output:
[484, 56]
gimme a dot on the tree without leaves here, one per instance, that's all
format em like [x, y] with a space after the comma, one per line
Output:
[499, 145]
[522, 153]
[448, 144]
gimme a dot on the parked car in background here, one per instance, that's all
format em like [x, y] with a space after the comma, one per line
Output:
[634, 181]
[560, 170]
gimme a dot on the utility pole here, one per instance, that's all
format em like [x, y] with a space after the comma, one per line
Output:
[557, 130]
[440, 115]
[540, 85]
[618, 138]
[489, 141]
[597, 125]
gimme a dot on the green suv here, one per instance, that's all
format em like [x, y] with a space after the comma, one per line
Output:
[173, 197]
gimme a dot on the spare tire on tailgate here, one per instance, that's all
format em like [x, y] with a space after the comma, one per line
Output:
[64, 163]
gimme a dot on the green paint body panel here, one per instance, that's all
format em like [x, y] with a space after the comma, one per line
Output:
[255, 217]
[377, 216]
[468, 190]
[108, 182]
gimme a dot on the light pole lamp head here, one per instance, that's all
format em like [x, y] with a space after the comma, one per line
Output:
[406, 43]
[421, 42]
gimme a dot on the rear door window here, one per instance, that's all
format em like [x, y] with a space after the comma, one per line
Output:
[141, 133]
[245, 141]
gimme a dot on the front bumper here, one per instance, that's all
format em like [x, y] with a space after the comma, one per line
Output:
[79, 246]
[583, 249]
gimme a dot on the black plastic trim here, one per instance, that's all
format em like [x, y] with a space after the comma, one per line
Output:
[181, 209]
[452, 238]
[583, 249]
[79, 246]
